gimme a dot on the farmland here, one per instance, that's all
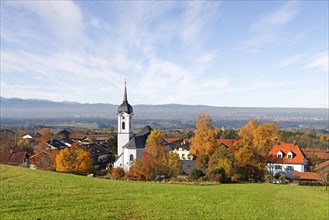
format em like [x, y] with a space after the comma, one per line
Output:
[33, 194]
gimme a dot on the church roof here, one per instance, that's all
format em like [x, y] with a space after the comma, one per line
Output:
[139, 140]
[125, 106]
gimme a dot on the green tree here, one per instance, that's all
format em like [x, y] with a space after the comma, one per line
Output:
[174, 164]
[221, 162]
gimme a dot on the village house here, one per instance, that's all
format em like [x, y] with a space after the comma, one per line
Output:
[98, 139]
[284, 159]
[80, 138]
[180, 147]
[14, 158]
[100, 155]
[32, 136]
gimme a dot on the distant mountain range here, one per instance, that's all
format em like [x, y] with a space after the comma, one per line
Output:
[17, 108]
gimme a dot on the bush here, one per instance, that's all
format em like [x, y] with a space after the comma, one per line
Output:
[133, 175]
[218, 175]
[117, 173]
[282, 179]
[196, 174]
[269, 178]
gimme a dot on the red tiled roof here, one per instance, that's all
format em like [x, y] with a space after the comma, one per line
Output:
[322, 165]
[78, 136]
[44, 130]
[102, 137]
[99, 137]
[229, 143]
[307, 175]
[320, 153]
[12, 158]
[171, 140]
[298, 156]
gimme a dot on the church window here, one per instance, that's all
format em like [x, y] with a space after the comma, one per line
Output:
[131, 157]
[123, 125]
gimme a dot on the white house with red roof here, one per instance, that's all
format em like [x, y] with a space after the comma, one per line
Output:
[284, 158]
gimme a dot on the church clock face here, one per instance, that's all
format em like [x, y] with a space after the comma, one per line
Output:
[123, 118]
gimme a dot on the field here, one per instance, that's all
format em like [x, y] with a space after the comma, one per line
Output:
[76, 125]
[33, 194]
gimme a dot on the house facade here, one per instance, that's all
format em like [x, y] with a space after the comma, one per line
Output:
[284, 159]
[180, 147]
[100, 155]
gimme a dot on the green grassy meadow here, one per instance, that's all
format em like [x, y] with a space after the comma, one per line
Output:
[34, 194]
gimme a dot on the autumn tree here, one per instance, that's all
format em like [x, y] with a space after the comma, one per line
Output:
[45, 160]
[249, 165]
[25, 144]
[265, 137]
[221, 164]
[262, 137]
[174, 164]
[154, 160]
[204, 141]
[254, 142]
[73, 160]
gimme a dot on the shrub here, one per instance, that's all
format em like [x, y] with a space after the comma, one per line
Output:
[269, 178]
[218, 175]
[117, 173]
[282, 179]
[196, 174]
[133, 175]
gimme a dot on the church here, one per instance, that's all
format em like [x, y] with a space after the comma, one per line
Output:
[129, 146]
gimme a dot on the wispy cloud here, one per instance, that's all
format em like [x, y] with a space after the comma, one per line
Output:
[319, 61]
[292, 59]
[62, 18]
[268, 29]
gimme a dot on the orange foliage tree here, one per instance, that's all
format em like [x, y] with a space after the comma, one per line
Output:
[204, 143]
[154, 160]
[45, 160]
[74, 160]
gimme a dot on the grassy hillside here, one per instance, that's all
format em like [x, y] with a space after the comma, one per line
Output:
[32, 194]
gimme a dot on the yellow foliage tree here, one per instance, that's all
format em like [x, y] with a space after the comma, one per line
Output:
[261, 137]
[155, 146]
[204, 141]
[73, 160]
[265, 137]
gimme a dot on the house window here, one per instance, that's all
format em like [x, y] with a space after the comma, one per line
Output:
[131, 157]
[278, 167]
[123, 126]
[279, 156]
[289, 156]
[290, 168]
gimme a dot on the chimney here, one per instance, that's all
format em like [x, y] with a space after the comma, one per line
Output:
[295, 142]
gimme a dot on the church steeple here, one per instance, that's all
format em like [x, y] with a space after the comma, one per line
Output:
[125, 116]
[125, 106]
[125, 93]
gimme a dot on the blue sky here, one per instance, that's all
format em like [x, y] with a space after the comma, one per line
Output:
[220, 53]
